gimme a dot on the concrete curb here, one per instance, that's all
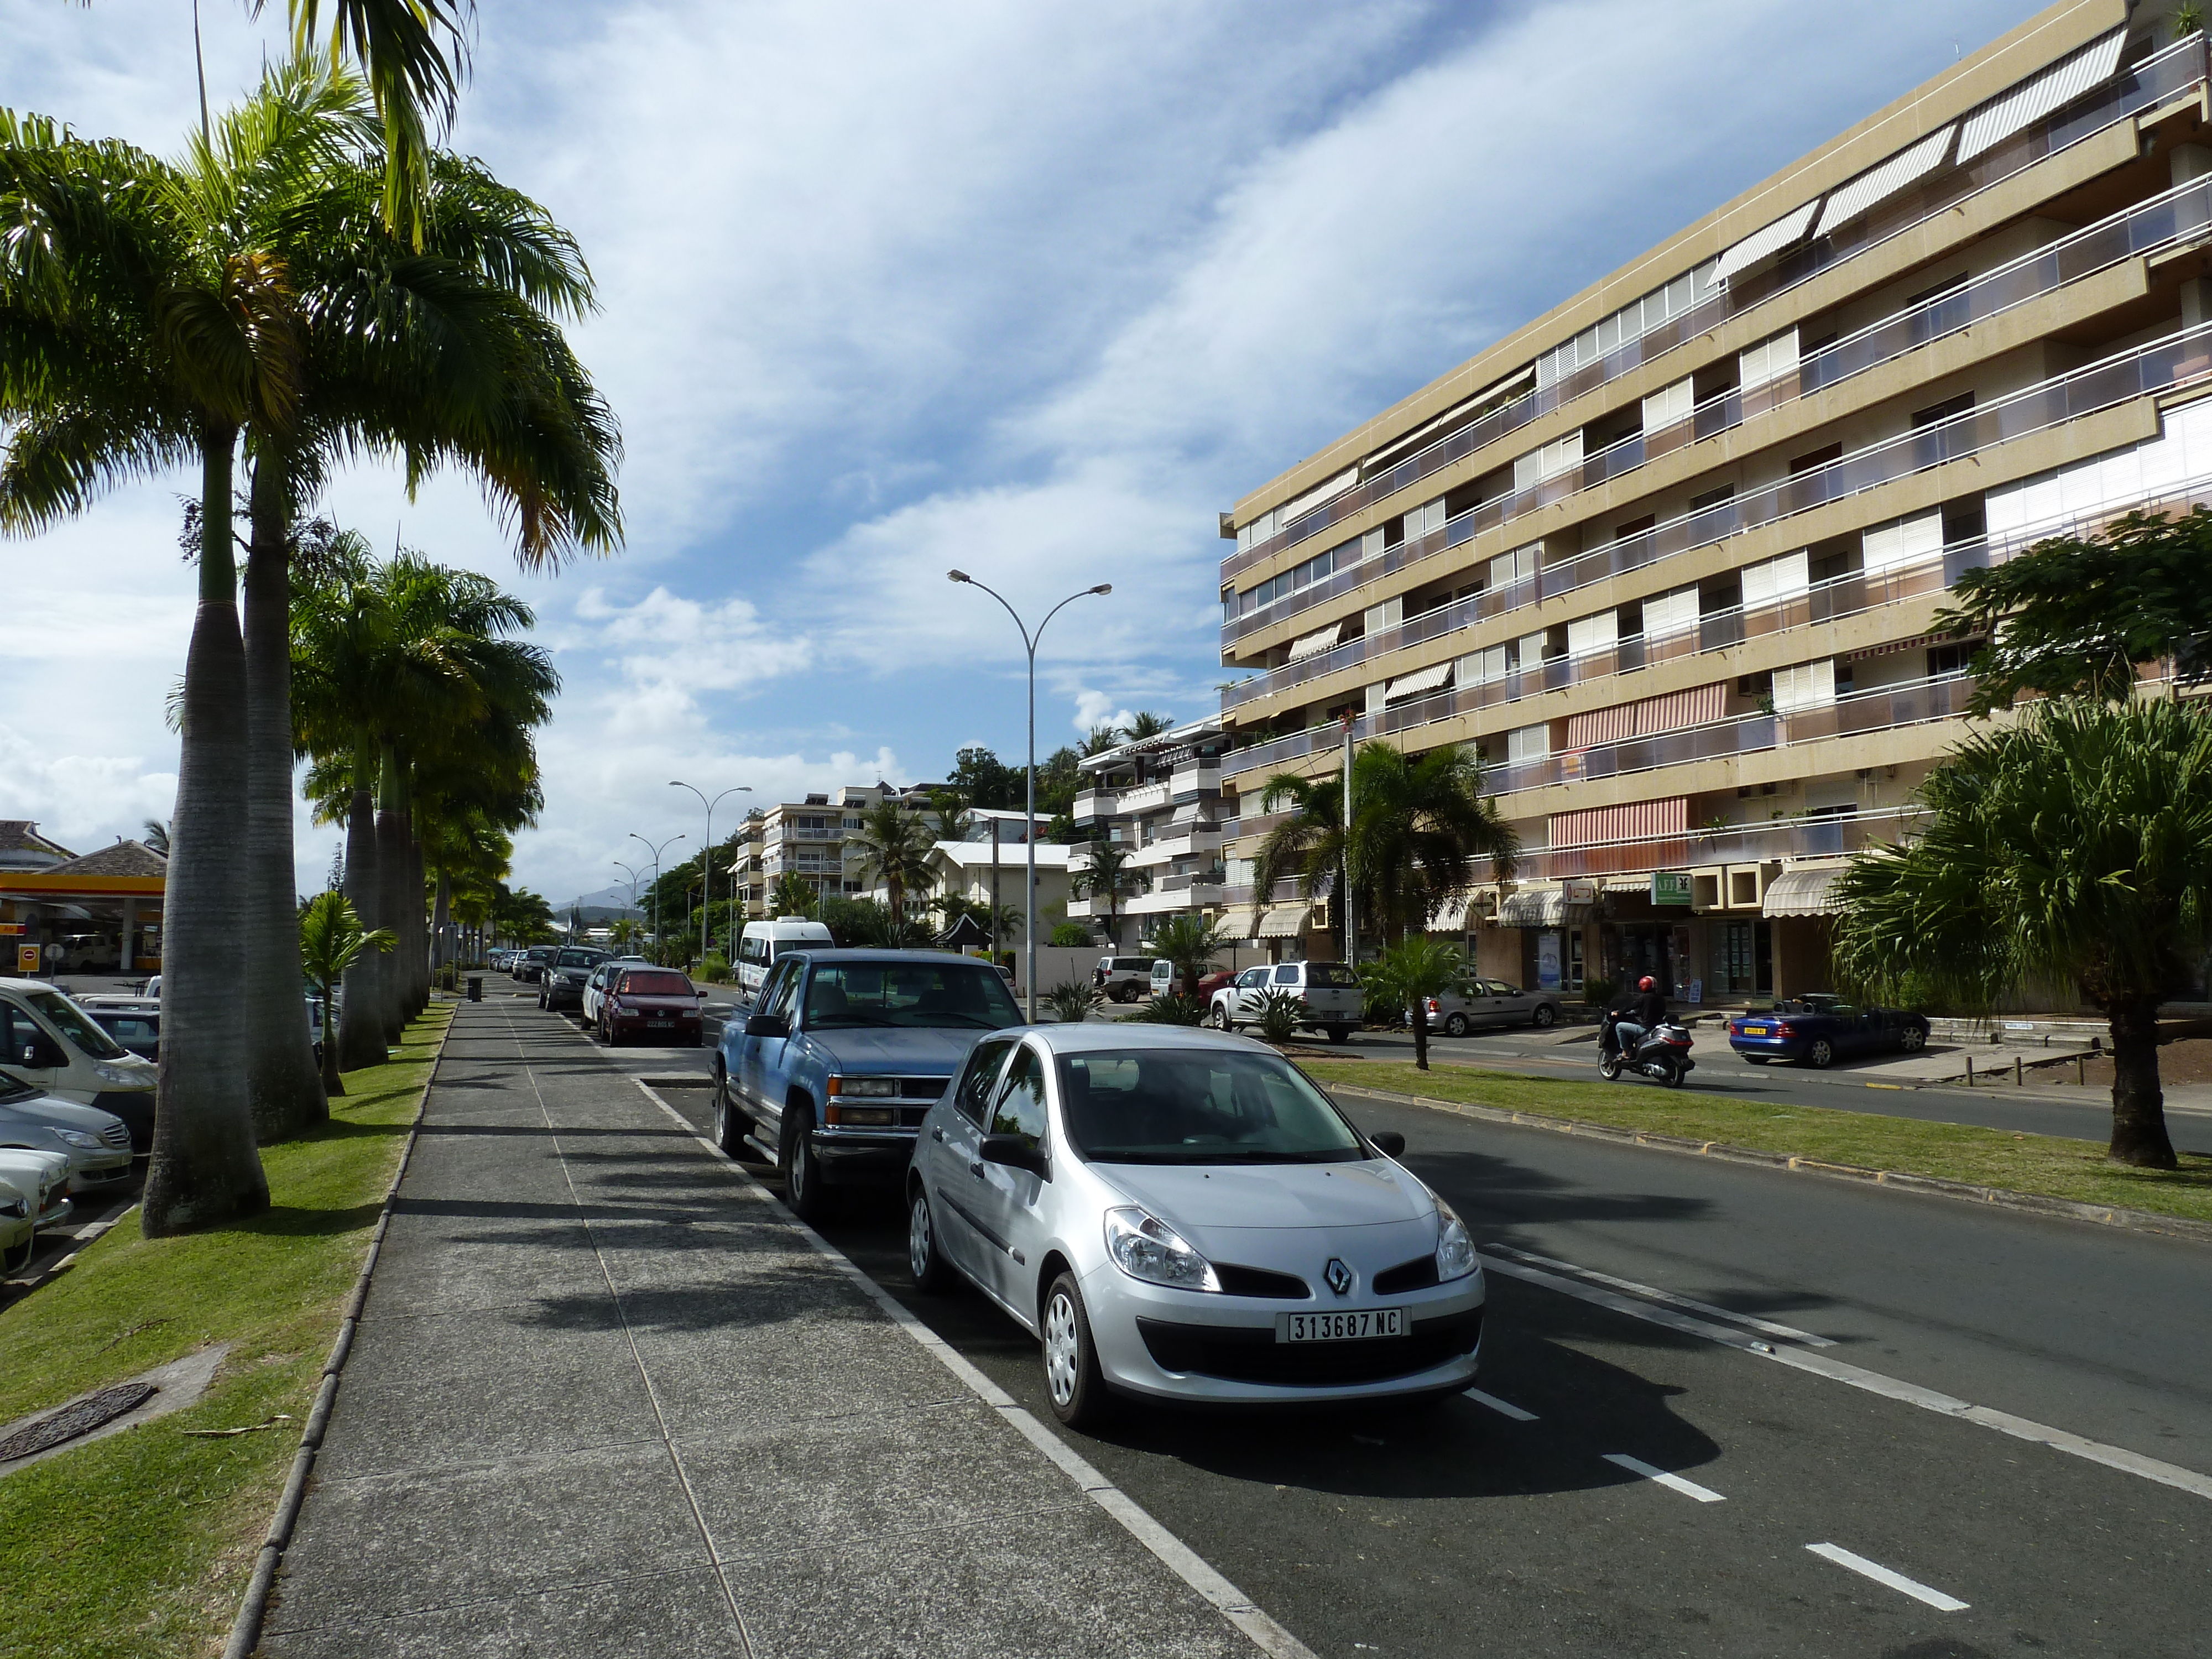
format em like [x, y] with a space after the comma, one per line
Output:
[2141, 1221]
[246, 1629]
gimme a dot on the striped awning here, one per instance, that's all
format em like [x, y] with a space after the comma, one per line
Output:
[1313, 644]
[1772, 238]
[1801, 892]
[1877, 185]
[1449, 917]
[1545, 907]
[1283, 921]
[2060, 84]
[1421, 680]
[1239, 922]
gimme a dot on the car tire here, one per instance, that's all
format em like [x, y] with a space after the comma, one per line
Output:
[1455, 1025]
[804, 1194]
[729, 1124]
[1912, 1039]
[1544, 1018]
[1339, 1034]
[20, 1258]
[933, 1274]
[1821, 1055]
[1073, 1381]
[1216, 1018]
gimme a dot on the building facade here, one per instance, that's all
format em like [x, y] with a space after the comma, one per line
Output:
[1156, 802]
[808, 839]
[1670, 556]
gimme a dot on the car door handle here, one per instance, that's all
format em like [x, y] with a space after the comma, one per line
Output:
[976, 1170]
[937, 1134]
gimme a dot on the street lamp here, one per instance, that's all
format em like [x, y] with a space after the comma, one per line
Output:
[656, 852]
[632, 874]
[706, 858]
[1028, 829]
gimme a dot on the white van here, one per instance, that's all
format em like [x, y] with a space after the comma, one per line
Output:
[763, 942]
[49, 1044]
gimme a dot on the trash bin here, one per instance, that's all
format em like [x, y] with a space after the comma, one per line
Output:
[475, 987]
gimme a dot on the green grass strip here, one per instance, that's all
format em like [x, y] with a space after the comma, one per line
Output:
[2046, 1165]
[141, 1544]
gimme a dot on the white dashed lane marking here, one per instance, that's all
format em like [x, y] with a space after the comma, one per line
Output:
[1671, 1482]
[1881, 1575]
[1502, 1408]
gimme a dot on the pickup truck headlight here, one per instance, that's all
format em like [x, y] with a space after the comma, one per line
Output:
[1454, 1249]
[877, 1088]
[1145, 1246]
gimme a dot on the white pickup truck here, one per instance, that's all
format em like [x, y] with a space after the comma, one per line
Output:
[1335, 1004]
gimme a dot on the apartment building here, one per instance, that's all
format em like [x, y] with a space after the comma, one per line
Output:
[808, 839]
[1670, 556]
[1157, 801]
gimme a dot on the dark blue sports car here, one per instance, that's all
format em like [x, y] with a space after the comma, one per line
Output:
[1819, 1029]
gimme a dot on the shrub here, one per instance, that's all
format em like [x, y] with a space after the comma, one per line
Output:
[1280, 1014]
[715, 970]
[1597, 991]
[1069, 935]
[1072, 1000]
[1171, 1011]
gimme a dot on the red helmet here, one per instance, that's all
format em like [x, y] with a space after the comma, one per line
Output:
[1647, 984]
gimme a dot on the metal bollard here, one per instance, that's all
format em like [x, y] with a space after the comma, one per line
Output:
[2019, 1072]
[2080, 1073]
[1970, 1070]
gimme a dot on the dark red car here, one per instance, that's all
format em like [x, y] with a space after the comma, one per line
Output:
[658, 1005]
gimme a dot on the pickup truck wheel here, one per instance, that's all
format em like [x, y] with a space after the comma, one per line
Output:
[1339, 1034]
[1216, 1018]
[803, 1192]
[729, 1127]
[933, 1275]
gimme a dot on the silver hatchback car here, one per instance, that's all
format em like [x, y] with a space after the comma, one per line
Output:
[1182, 1215]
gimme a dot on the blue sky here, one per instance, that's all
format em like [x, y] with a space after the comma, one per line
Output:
[1034, 290]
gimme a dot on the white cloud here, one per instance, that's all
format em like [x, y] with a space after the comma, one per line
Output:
[1097, 708]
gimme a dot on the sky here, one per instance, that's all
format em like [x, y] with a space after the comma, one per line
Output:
[1034, 290]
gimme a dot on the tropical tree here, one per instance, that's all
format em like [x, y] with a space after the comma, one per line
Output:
[1107, 875]
[1146, 723]
[1191, 942]
[956, 819]
[2075, 847]
[157, 837]
[1407, 973]
[331, 938]
[1099, 739]
[792, 896]
[892, 847]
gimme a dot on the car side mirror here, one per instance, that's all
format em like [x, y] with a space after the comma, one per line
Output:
[1388, 1142]
[768, 1025]
[1016, 1153]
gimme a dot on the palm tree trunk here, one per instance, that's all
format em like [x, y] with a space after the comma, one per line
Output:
[441, 924]
[391, 888]
[281, 1083]
[1421, 1020]
[361, 1032]
[418, 954]
[2139, 1135]
[332, 1084]
[205, 1168]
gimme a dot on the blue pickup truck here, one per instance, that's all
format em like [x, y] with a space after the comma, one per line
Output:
[843, 1056]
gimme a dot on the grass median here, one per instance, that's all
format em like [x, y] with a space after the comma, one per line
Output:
[2046, 1165]
[142, 1543]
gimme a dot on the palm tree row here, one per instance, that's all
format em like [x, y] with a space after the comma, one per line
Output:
[250, 302]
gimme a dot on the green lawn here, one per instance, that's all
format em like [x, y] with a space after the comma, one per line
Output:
[2042, 1164]
[141, 1544]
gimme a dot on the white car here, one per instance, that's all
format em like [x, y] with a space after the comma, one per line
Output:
[595, 988]
[49, 1044]
[41, 1179]
[1182, 1215]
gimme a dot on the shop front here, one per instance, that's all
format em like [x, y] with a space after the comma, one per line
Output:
[99, 913]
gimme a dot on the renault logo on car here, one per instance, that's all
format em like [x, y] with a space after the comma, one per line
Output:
[1338, 1276]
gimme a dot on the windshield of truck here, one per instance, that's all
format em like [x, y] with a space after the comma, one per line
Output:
[73, 1023]
[1331, 976]
[1181, 1106]
[945, 996]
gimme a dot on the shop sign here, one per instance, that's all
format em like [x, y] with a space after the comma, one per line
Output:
[1578, 892]
[27, 958]
[12, 927]
[1670, 887]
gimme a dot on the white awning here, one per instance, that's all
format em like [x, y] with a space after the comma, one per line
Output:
[1542, 908]
[1313, 644]
[1283, 921]
[1760, 243]
[1419, 681]
[1801, 892]
[1238, 923]
[1449, 917]
[1878, 184]
[2062, 83]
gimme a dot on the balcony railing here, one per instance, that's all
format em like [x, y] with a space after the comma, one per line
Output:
[2145, 86]
[1791, 838]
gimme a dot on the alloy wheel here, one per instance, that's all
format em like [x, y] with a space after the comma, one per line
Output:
[920, 1246]
[1822, 1054]
[1060, 1347]
[1455, 1025]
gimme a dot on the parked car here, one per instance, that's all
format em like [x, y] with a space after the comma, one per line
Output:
[96, 1144]
[1492, 1002]
[1123, 979]
[51, 1046]
[561, 981]
[842, 1054]
[1329, 992]
[1181, 1215]
[1820, 1029]
[595, 988]
[1214, 981]
[651, 1003]
[136, 1030]
[532, 962]
[761, 942]
[20, 1201]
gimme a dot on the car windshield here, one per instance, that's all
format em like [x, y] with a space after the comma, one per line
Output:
[73, 1023]
[1184, 1106]
[581, 958]
[1332, 976]
[942, 995]
[655, 982]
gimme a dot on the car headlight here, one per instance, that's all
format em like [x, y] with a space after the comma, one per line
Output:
[78, 1138]
[124, 1077]
[1454, 1249]
[16, 1207]
[1145, 1246]
[879, 1088]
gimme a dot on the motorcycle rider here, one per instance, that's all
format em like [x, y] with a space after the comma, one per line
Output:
[1635, 1020]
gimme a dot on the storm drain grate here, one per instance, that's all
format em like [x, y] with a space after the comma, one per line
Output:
[67, 1424]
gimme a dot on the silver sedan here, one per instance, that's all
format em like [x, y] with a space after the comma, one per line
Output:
[1182, 1215]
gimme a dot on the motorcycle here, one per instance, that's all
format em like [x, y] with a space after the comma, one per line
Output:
[1662, 1054]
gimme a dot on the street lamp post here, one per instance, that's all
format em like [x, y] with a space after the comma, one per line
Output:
[656, 852]
[1028, 828]
[632, 874]
[706, 858]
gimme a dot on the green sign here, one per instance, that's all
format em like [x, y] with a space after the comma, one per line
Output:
[1670, 887]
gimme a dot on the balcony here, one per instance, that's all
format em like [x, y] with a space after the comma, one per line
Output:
[1194, 779]
[1194, 894]
[1793, 838]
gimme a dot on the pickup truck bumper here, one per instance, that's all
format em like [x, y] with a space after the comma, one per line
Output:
[878, 1160]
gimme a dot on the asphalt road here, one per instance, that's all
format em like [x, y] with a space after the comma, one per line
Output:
[1510, 1528]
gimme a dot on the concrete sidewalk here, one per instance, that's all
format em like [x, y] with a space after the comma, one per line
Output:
[609, 1398]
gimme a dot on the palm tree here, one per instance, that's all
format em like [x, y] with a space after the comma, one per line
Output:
[791, 896]
[1191, 942]
[2073, 847]
[956, 820]
[1099, 739]
[1407, 973]
[1146, 723]
[1107, 876]
[331, 938]
[892, 847]
[157, 837]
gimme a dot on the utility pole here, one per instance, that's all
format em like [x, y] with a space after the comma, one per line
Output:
[656, 852]
[706, 858]
[994, 892]
[1351, 917]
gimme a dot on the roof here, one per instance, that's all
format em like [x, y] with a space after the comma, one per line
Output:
[22, 835]
[1176, 738]
[1088, 1037]
[882, 953]
[125, 858]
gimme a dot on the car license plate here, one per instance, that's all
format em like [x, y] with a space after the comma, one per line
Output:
[1340, 1326]
[1758, 1031]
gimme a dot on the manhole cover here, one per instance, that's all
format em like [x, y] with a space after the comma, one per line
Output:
[65, 1425]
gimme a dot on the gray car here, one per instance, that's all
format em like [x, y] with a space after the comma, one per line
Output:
[97, 1143]
[1183, 1215]
[1492, 1002]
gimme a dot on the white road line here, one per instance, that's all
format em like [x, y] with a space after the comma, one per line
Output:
[1502, 1408]
[1881, 1575]
[1890, 1388]
[1650, 1292]
[1671, 1482]
[1238, 1608]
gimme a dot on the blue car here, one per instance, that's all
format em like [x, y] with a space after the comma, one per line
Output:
[1819, 1029]
[843, 1056]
